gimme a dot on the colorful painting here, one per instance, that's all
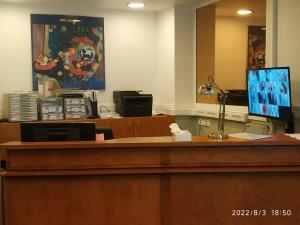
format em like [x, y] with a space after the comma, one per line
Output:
[69, 49]
[256, 47]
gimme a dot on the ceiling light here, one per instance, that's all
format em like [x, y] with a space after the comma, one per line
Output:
[244, 11]
[135, 5]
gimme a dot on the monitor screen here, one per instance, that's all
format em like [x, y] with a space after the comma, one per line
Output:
[269, 92]
[53, 131]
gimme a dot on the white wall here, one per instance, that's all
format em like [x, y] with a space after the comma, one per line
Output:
[288, 44]
[165, 82]
[153, 52]
[185, 56]
[130, 48]
[144, 50]
[15, 45]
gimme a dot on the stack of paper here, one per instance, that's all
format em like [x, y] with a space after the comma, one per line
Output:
[21, 106]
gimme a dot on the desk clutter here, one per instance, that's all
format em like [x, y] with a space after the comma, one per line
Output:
[20, 106]
[28, 106]
[51, 109]
[31, 106]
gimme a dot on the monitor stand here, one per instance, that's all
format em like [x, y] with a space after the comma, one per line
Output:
[288, 125]
[290, 128]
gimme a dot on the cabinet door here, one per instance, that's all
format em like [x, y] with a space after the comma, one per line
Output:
[122, 127]
[152, 126]
[101, 122]
[9, 132]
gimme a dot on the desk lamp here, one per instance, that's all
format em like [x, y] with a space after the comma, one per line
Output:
[209, 89]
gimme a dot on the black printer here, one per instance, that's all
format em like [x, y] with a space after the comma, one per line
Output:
[132, 103]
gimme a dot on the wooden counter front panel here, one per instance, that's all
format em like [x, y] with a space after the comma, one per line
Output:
[52, 159]
[241, 155]
[210, 198]
[83, 200]
[175, 183]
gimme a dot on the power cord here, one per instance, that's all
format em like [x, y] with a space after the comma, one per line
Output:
[268, 127]
[106, 109]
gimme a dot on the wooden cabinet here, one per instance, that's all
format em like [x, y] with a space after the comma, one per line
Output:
[122, 127]
[9, 132]
[152, 126]
[139, 126]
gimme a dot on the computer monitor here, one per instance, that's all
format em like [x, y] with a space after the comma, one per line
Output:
[269, 93]
[54, 131]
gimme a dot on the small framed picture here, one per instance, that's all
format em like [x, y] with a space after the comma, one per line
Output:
[256, 47]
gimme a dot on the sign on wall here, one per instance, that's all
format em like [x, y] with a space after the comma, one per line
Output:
[69, 49]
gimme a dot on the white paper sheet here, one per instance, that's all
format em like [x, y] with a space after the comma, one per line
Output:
[249, 136]
[297, 136]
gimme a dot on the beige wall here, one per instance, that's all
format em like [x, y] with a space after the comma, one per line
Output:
[288, 44]
[205, 63]
[231, 50]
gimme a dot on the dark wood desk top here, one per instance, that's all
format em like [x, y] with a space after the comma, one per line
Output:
[166, 141]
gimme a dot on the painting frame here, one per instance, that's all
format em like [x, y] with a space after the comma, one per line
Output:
[256, 47]
[69, 49]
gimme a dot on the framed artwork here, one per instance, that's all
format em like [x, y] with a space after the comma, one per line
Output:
[256, 47]
[69, 49]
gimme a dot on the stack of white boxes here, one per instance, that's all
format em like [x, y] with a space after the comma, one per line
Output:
[74, 108]
[51, 109]
[20, 106]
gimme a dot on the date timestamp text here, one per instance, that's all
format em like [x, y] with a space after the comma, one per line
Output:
[261, 212]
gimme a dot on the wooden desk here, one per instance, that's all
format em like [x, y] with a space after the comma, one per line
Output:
[152, 181]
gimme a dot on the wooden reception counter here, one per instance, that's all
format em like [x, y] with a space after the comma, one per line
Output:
[152, 181]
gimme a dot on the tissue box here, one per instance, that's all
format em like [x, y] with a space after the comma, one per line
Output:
[183, 135]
